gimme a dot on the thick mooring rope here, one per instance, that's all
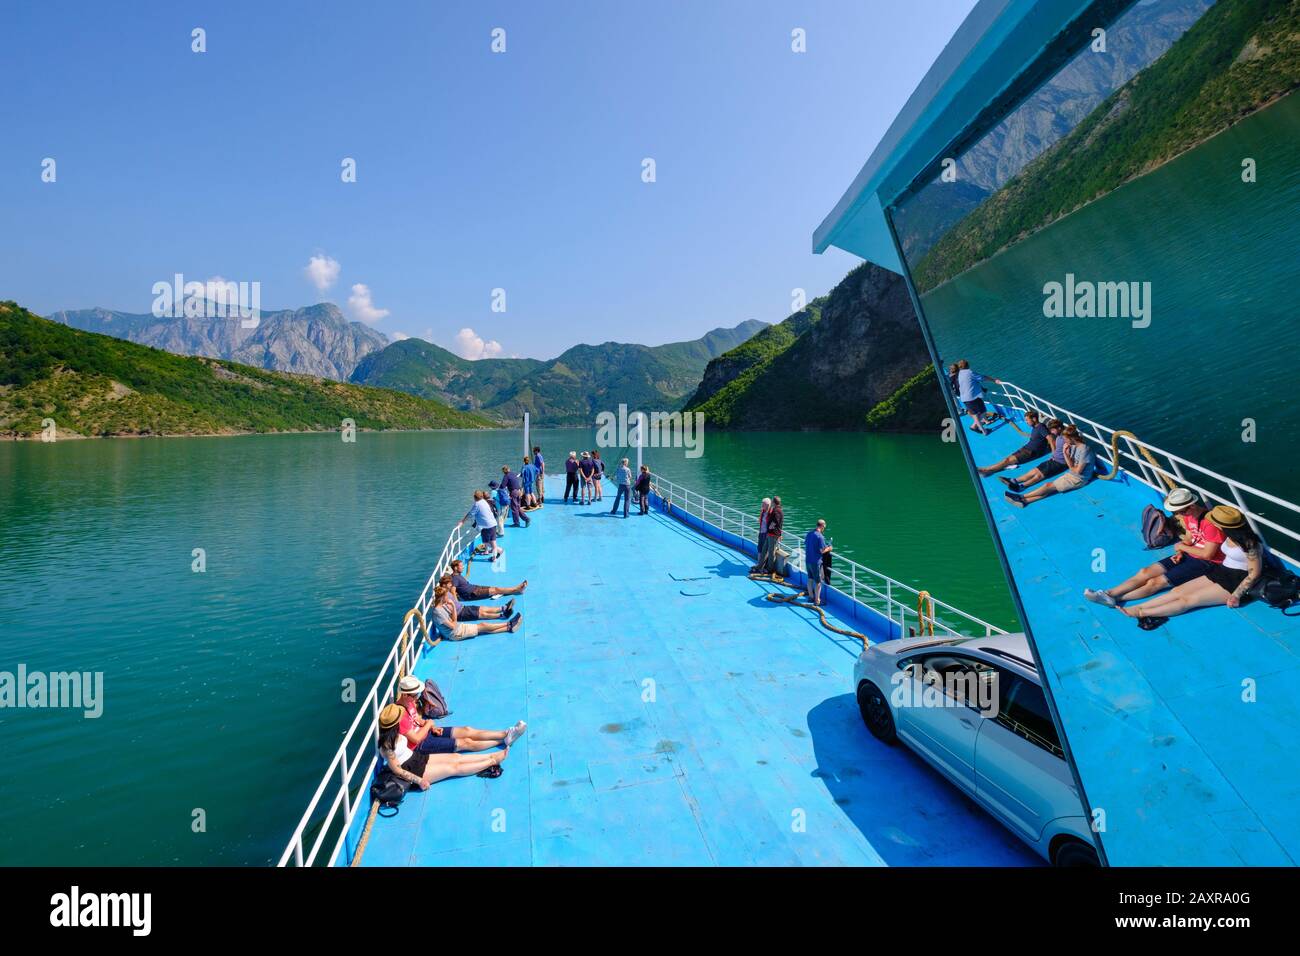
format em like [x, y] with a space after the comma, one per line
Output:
[793, 599]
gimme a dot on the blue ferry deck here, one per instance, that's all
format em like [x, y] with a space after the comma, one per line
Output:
[1186, 770]
[675, 717]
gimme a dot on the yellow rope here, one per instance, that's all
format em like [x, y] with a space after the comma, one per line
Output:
[921, 599]
[1114, 456]
[773, 579]
[365, 834]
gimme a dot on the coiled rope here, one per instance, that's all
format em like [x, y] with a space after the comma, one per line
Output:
[1114, 456]
[793, 599]
[926, 621]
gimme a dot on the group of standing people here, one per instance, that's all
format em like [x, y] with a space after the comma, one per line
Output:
[771, 559]
[584, 477]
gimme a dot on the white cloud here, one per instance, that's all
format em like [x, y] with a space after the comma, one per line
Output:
[471, 345]
[361, 306]
[398, 336]
[322, 271]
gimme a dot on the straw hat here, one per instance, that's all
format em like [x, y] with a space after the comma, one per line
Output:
[410, 684]
[1180, 498]
[1226, 516]
[390, 716]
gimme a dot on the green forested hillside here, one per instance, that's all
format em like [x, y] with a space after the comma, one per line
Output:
[1241, 55]
[95, 385]
[568, 390]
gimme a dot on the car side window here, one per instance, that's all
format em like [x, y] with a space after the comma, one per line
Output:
[962, 679]
[1024, 712]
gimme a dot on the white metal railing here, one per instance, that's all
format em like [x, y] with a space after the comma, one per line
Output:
[869, 587]
[354, 761]
[1212, 486]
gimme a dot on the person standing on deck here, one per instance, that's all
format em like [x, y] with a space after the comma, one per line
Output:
[970, 390]
[643, 489]
[486, 523]
[814, 546]
[587, 468]
[598, 478]
[540, 464]
[498, 500]
[775, 525]
[515, 486]
[528, 475]
[763, 541]
[622, 478]
[571, 477]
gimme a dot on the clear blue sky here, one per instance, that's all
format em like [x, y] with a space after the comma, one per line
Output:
[475, 170]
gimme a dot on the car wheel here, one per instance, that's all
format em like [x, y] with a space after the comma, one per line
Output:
[1075, 853]
[875, 712]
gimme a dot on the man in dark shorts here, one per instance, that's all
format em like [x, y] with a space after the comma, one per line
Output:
[1198, 552]
[1041, 436]
[477, 592]
[1044, 470]
[426, 737]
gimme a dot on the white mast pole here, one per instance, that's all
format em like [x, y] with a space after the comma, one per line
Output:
[527, 448]
[640, 439]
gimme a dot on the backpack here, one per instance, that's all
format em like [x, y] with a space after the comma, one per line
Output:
[432, 704]
[1155, 529]
[1278, 588]
[388, 790]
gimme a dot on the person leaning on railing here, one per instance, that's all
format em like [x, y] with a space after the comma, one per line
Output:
[643, 487]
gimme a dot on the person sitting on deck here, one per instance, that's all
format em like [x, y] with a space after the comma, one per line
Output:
[1199, 549]
[586, 469]
[540, 464]
[486, 523]
[515, 486]
[423, 769]
[450, 628]
[571, 477]
[1246, 558]
[528, 475]
[814, 548]
[1081, 465]
[623, 479]
[1040, 442]
[475, 612]
[1044, 470]
[643, 489]
[426, 737]
[477, 592]
[971, 392]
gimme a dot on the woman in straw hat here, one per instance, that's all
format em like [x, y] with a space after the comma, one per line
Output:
[422, 769]
[1245, 556]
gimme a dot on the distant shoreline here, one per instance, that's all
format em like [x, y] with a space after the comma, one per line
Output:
[11, 437]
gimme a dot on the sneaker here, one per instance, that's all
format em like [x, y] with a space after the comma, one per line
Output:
[1009, 482]
[515, 732]
[515, 623]
[508, 608]
[1017, 500]
[1099, 597]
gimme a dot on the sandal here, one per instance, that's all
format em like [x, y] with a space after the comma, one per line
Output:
[1151, 623]
[491, 772]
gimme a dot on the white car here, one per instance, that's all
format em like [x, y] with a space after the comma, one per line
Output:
[974, 708]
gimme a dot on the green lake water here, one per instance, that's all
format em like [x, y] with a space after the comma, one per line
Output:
[1221, 257]
[222, 688]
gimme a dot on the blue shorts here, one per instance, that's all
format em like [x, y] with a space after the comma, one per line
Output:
[443, 743]
[1184, 570]
[489, 535]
